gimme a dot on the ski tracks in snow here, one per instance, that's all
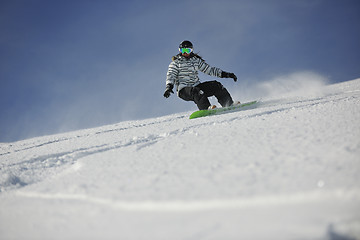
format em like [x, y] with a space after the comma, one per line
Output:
[29, 161]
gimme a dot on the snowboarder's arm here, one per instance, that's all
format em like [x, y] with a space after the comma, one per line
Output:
[214, 71]
[171, 76]
[207, 69]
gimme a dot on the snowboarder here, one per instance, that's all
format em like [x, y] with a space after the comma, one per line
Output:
[183, 72]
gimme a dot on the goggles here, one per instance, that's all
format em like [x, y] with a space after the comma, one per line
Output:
[185, 50]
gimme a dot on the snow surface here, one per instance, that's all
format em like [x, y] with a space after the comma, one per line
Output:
[287, 169]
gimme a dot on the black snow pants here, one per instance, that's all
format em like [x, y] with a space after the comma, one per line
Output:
[200, 93]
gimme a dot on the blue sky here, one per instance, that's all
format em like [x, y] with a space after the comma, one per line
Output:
[74, 64]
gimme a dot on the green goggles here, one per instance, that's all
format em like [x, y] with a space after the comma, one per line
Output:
[185, 50]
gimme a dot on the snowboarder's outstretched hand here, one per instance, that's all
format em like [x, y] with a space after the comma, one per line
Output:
[229, 75]
[168, 90]
[233, 76]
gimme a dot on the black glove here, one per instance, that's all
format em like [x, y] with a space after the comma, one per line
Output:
[168, 90]
[229, 75]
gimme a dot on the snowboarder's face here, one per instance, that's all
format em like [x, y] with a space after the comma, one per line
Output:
[186, 54]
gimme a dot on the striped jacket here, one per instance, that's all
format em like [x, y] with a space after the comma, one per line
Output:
[183, 72]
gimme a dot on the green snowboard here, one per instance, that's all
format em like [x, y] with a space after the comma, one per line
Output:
[203, 113]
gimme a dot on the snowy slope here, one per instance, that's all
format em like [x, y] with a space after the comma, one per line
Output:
[287, 169]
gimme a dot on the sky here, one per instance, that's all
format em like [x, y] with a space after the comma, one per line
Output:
[75, 64]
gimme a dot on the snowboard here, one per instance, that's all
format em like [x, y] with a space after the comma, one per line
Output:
[216, 111]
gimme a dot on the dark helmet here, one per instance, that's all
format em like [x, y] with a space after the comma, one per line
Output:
[186, 44]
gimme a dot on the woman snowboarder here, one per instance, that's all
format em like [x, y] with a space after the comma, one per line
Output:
[183, 72]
